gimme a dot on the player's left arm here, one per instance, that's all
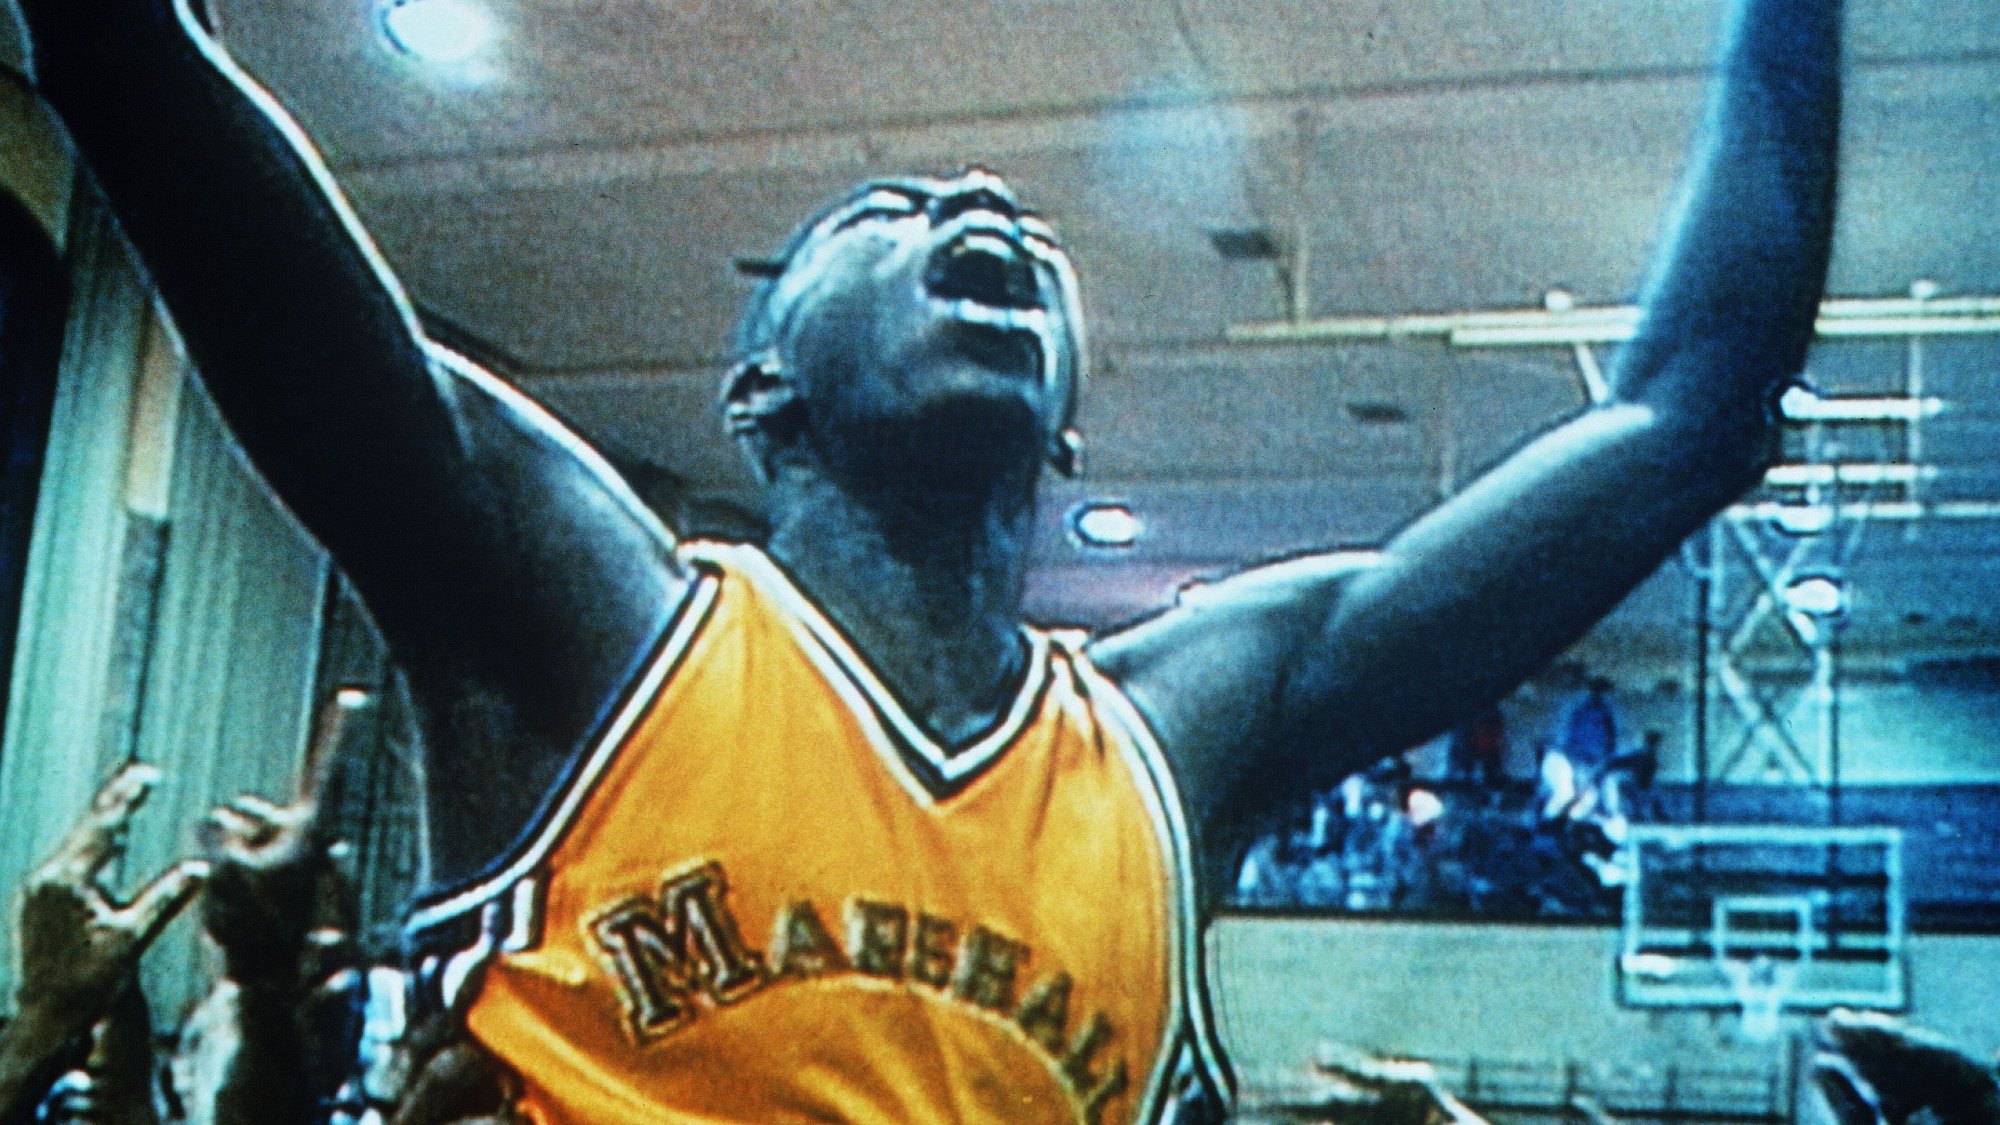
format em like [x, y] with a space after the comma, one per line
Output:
[1308, 669]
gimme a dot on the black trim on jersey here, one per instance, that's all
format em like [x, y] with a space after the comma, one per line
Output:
[890, 710]
[940, 787]
[1191, 1096]
[1222, 1077]
[574, 772]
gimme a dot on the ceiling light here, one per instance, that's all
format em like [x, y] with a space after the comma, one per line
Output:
[1802, 519]
[1799, 404]
[437, 31]
[1101, 523]
[1816, 595]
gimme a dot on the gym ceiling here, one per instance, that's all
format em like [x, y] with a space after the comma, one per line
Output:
[569, 200]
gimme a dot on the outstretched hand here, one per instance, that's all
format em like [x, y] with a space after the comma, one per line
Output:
[76, 945]
[267, 860]
[1361, 1089]
[453, 1080]
[1874, 1070]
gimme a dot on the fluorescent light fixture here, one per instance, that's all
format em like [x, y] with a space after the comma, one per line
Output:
[1105, 523]
[1846, 472]
[1801, 519]
[1816, 595]
[445, 32]
[1801, 405]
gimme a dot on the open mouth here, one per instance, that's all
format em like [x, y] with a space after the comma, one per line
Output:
[986, 268]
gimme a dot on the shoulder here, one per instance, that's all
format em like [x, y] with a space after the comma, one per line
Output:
[1209, 673]
[1241, 615]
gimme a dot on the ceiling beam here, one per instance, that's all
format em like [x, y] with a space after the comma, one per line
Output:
[1853, 317]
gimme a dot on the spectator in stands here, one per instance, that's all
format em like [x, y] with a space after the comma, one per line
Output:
[1645, 761]
[1555, 785]
[1377, 847]
[1324, 827]
[1478, 749]
[1278, 859]
[1590, 729]
[1627, 783]
[76, 949]
[1321, 879]
[1262, 879]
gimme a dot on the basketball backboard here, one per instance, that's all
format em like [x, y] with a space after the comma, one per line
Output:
[1763, 918]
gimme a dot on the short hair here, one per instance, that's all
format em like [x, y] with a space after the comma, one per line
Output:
[751, 334]
[754, 332]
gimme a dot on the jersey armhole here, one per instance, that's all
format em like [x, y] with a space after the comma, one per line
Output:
[1207, 1060]
[439, 909]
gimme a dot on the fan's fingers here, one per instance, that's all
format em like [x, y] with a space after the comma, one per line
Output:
[160, 900]
[257, 807]
[232, 825]
[458, 1081]
[268, 813]
[329, 730]
[125, 789]
[99, 836]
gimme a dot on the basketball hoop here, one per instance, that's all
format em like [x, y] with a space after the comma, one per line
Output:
[1768, 920]
[1762, 986]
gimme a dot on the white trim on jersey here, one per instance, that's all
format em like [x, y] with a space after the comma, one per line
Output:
[1154, 767]
[689, 617]
[850, 668]
[1179, 930]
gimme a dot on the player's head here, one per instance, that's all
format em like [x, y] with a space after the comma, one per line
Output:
[927, 315]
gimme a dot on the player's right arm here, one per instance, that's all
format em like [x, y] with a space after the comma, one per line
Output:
[517, 581]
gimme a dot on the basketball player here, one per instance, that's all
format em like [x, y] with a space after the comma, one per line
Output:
[816, 830]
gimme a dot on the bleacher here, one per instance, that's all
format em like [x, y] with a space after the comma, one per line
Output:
[1950, 853]
[1951, 837]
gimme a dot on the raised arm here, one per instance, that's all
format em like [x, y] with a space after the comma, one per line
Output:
[1306, 670]
[516, 579]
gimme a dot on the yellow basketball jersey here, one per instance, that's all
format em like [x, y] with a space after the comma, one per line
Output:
[768, 895]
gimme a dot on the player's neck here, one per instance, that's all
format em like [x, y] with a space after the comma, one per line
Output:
[930, 594]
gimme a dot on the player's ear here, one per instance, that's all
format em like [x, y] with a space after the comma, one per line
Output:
[1066, 453]
[757, 391]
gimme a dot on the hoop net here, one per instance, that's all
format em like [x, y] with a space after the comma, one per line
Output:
[1762, 986]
